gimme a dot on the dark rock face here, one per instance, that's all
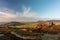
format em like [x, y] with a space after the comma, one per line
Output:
[9, 36]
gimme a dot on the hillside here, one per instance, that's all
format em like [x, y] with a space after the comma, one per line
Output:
[8, 24]
[39, 26]
[45, 26]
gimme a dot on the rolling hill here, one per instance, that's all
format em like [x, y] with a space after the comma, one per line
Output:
[39, 26]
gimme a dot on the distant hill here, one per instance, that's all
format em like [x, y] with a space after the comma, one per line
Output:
[2, 23]
[11, 24]
[15, 23]
[49, 21]
[53, 20]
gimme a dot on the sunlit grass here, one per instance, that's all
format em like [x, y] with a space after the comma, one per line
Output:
[27, 26]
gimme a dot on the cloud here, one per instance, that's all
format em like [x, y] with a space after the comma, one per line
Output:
[4, 16]
[10, 15]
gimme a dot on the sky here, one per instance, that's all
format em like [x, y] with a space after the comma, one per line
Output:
[29, 10]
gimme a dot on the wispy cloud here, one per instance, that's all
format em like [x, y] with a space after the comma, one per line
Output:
[10, 15]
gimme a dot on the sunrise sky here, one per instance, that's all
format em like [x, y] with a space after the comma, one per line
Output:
[29, 10]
